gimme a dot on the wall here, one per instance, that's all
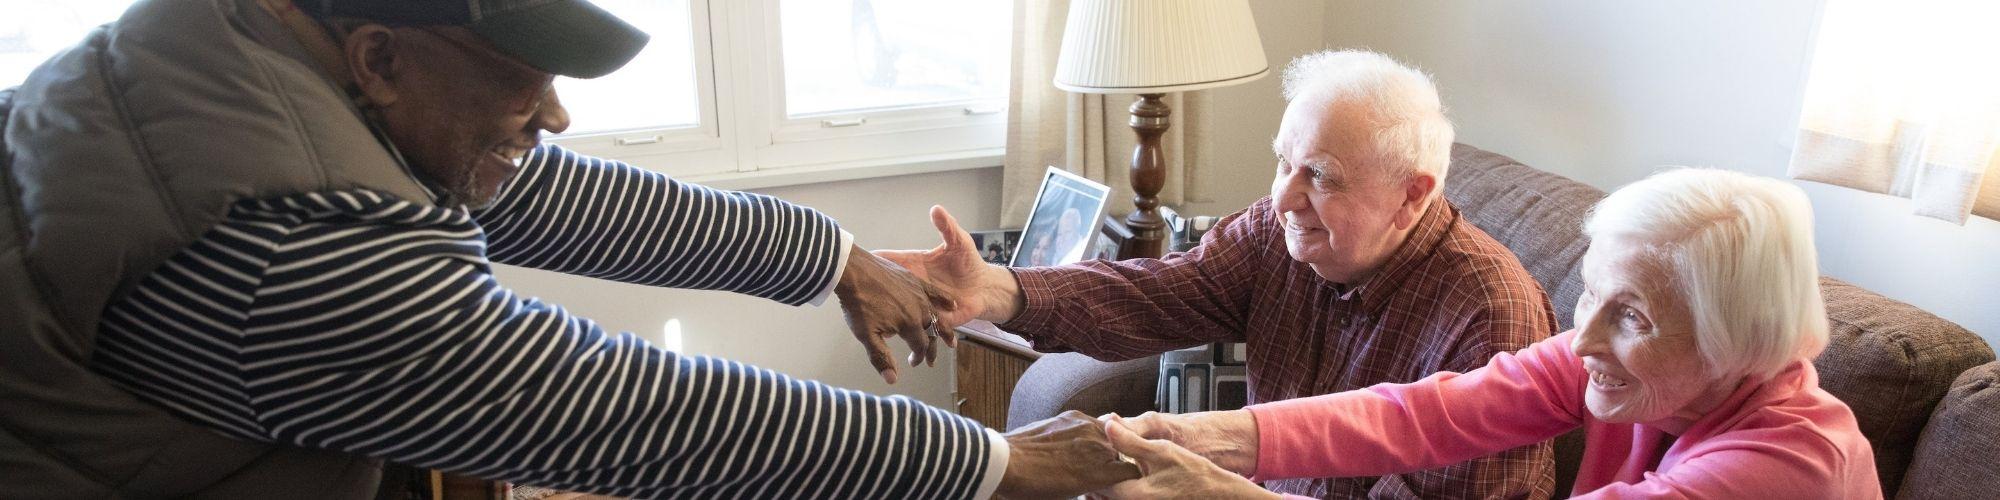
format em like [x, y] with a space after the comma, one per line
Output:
[1607, 92]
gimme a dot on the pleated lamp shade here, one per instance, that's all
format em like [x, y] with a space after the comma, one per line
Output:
[1158, 46]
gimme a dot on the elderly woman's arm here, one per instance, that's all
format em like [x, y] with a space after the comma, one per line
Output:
[1516, 399]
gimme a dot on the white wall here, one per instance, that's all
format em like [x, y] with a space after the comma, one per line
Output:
[807, 342]
[1606, 92]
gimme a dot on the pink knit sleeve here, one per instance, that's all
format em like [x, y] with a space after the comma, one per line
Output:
[1446, 418]
[1784, 462]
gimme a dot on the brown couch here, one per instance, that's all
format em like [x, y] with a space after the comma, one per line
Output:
[1926, 391]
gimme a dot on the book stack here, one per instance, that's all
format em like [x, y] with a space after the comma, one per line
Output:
[1206, 378]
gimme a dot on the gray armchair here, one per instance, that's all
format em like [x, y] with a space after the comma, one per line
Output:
[1926, 391]
[1051, 385]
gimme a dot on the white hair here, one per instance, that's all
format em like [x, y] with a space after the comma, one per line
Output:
[1741, 249]
[1411, 132]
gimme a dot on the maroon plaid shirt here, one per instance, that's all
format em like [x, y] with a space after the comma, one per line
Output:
[1447, 300]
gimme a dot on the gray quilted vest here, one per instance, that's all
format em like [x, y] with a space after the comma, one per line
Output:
[120, 152]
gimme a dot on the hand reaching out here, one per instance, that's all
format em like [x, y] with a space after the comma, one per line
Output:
[1061, 457]
[882, 300]
[1228, 438]
[1171, 471]
[979, 290]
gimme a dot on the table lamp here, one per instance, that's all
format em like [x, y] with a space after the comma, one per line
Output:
[1149, 48]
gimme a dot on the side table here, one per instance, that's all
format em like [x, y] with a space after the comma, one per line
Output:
[990, 362]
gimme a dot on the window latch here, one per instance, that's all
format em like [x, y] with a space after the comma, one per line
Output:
[634, 141]
[843, 122]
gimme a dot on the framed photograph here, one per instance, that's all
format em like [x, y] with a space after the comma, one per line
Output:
[1063, 223]
[1112, 235]
[997, 245]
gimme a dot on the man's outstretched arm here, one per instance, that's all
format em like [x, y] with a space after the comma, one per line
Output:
[392, 340]
[576, 214]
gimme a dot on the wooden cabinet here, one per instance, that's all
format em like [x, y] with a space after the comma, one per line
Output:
[990, 362]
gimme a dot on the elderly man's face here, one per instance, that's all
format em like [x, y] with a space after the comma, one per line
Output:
[460, 111]
[1636, 335]
[1340, 214]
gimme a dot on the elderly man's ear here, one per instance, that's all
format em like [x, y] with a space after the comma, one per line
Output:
[370, 53]
[1416, 198]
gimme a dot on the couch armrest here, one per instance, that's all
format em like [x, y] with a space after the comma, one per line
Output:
[1071, 381]
[1955, 455]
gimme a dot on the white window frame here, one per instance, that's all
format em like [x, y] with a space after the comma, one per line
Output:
[745, 140]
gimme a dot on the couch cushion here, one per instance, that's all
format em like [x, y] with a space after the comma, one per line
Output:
[1539, 215]
[1954, 457]
[1071, 381]
[1891, 362]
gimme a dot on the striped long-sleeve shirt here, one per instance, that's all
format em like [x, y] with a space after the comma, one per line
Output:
[358, 322]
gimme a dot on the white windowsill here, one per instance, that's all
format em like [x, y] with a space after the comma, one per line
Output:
[852, 170]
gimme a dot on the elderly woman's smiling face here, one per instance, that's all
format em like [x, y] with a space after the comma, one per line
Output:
[1636, 335]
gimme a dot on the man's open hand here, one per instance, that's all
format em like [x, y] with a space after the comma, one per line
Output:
[882, 300]
[1061, 457]
[979, 290]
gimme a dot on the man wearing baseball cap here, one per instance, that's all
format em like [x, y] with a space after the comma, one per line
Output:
[249, 256]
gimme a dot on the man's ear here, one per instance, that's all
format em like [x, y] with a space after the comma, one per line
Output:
[371, 55]
[1416, 198]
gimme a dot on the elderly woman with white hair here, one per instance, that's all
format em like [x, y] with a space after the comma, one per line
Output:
[1690, 371]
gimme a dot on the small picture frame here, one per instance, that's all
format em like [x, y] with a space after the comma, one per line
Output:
[996, 246]
[1111, 235]
[1059, 226]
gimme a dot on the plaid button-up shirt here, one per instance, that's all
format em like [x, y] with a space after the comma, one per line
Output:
[1449, 298]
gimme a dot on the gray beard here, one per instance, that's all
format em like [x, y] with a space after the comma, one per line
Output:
[464, 192]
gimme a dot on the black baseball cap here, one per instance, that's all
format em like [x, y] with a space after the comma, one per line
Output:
[567, 37]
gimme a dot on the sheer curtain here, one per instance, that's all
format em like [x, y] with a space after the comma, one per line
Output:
[1086, 134]
[1904, 99]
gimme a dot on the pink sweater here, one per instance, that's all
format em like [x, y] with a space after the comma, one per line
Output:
[1784, 438]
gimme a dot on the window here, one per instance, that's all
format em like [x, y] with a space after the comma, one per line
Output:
[746, 89]
[33, 30]
[902, 54]
[740, 89]
[656, 90]
[1903, 98]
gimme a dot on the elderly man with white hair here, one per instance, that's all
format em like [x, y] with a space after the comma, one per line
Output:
[1690, 371]
[1354, 272]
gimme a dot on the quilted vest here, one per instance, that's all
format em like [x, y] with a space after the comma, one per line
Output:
[118, 153]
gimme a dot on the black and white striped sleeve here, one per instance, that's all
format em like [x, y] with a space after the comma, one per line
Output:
[587, 216]
[374, 327]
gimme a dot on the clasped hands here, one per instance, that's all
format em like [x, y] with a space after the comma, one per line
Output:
[1156, 455]
[882, 300]
[920, 296]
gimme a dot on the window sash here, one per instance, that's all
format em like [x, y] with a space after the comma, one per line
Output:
[744, 128]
